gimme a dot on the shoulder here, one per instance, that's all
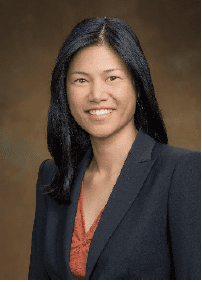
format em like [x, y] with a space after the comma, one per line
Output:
[175, 155]
[183, 166]
[46, 172]
[178, 163]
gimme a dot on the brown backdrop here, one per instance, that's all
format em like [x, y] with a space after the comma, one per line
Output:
[31, 35]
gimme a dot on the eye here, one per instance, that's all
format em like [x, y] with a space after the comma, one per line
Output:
[80, 80]
[112, 78]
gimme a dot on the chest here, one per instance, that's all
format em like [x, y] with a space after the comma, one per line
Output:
[95, 196]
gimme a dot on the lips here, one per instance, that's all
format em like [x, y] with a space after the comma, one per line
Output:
[99, 109]
[100, 112]
[102, 115]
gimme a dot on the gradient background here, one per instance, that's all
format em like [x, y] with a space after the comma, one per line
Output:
[31, 34]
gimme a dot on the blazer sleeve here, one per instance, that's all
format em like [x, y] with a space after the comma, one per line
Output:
[184, 215]
[36, 268]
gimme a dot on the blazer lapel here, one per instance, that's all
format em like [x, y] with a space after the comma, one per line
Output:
[133, 174]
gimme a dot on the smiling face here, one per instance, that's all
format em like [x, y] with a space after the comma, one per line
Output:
[98, 78]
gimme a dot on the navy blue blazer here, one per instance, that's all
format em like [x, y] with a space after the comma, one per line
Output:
[150, 228]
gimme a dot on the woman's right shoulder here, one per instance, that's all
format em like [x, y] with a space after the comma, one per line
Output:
[47, 171]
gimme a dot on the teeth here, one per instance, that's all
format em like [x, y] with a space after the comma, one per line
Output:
[100, 112]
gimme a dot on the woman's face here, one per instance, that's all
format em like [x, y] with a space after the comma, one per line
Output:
[98, 78]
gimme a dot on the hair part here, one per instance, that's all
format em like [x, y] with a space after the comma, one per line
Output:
[67, 141]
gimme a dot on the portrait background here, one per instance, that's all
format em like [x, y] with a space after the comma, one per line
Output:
[32, 33]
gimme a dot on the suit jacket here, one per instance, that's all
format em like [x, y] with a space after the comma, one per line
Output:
[150, 228]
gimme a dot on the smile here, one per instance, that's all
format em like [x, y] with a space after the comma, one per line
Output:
[100, 112]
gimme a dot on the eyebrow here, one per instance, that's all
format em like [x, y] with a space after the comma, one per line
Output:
[82, 72]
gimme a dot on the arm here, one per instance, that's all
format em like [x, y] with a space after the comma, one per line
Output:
[184, 214]
[36, 268]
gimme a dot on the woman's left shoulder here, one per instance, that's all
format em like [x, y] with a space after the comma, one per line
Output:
[184, 164]
[177, 154]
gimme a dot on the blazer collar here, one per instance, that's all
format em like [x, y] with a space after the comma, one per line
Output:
[133, 174]
[142, 147]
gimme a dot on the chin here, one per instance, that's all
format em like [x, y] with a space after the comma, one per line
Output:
[102, 133]
[100, 136]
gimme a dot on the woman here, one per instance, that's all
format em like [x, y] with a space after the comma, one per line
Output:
[112, 165]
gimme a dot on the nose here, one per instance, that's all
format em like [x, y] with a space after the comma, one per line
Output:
[98, 92]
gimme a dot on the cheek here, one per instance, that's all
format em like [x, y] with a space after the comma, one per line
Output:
[71, 104]
[127, 97]
[76, 109]
[75, 95]
[72, 99]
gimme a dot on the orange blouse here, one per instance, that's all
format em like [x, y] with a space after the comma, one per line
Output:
[81, 240]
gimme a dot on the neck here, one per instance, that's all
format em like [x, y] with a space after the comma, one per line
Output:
[110, 153]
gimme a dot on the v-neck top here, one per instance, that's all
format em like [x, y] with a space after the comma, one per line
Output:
[81, 241]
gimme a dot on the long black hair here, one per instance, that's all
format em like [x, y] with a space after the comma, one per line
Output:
[67, 141]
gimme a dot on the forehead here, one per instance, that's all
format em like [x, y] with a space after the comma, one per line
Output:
[96, 58]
